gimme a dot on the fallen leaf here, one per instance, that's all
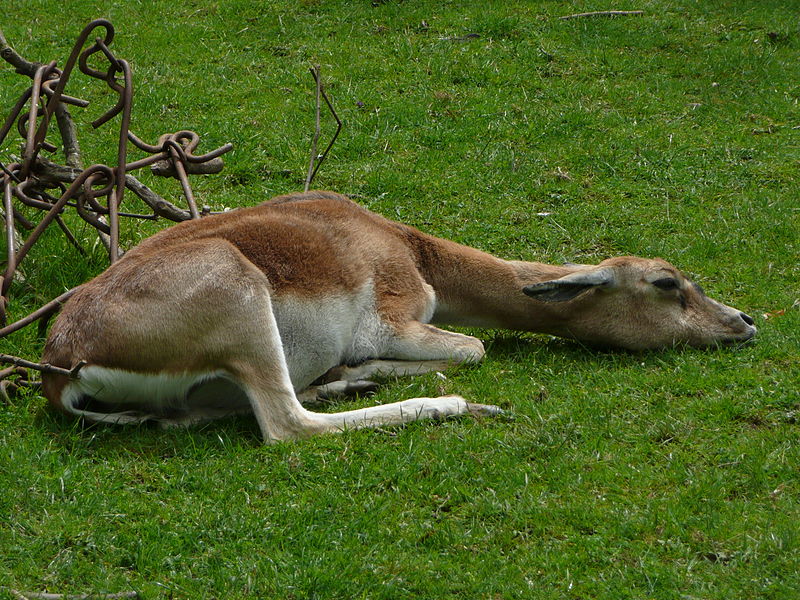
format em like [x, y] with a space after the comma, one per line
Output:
[774, 314]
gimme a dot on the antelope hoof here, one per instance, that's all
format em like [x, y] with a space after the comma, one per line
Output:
[361, 386]
[339, 389]
[484, 410]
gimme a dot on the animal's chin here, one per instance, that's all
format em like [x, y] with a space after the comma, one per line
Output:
[727, 342]
[740, 341]
[732, 341]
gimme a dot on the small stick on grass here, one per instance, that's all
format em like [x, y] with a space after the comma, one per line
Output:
[48, 596]
[604, 13]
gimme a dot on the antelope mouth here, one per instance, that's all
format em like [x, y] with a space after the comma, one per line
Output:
[748, 338]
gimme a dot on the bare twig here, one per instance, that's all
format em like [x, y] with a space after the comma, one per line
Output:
[603, 13]
[161, 207]
[50, 174]
[324, 154]
[315, 139]
[318, 159]
[12, 370]
[69, 235]
[8, 389]
[69, 136]
[43, 367]
[165, 168]
[45, 311]
[8, 54]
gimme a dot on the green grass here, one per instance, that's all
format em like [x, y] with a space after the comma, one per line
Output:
[657, 475]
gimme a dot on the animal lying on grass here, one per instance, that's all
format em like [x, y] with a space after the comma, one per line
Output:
[249, 311]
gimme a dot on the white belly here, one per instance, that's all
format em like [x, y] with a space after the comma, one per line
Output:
[318, 335]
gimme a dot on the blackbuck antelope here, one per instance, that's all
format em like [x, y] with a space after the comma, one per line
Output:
[260, 308]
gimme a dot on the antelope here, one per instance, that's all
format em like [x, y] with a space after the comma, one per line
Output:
[261, 309]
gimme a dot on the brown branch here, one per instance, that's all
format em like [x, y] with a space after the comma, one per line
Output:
[43, 367]
[165, 168]
[69, 235]
[161, 207]
[316, 158]
[603, 13]
[8, 389]
[45, 311]
[66, 127]
[13, 371]
[324, 154]
[8, 54]
[51, 174]
[69, 136]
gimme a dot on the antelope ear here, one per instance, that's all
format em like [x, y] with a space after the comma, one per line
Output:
[570, 286]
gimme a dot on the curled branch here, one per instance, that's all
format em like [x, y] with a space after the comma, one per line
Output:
[50, 174]
[30, 180]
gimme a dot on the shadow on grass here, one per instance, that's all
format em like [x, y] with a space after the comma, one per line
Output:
[149, 440]
[539, 348]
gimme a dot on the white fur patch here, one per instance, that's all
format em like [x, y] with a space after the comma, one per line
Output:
[320, 333]
[145, 395]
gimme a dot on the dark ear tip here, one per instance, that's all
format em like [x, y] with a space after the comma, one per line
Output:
[535, 289]
[555, 291]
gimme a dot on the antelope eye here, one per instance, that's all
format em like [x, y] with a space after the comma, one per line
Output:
[667, 283]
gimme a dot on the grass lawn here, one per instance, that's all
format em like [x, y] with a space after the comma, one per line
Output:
[668, 475]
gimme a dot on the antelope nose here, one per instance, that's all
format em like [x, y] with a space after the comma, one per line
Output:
[747, 318]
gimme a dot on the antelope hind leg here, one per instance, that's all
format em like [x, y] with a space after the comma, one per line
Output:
[443, 349]
[343, 381]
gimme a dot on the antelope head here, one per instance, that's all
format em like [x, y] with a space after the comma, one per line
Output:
[637, 303]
